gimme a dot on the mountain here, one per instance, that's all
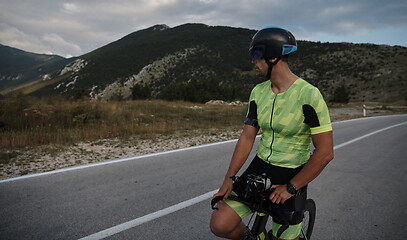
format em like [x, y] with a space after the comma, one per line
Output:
[18, 67]
[196, 62]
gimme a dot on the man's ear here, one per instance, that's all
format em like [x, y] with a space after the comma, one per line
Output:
[273, 60]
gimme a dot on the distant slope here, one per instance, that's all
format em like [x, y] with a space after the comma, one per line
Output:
[368, 72]
[196, 62]
[192, 62]
[19, 67]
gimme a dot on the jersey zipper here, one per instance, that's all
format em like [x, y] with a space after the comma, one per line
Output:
[271, 126]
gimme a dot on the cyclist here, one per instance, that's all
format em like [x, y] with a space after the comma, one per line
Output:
[291, 113]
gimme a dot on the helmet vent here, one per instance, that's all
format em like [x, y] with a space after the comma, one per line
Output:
[287, 49]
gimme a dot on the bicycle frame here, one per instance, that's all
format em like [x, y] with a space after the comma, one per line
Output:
[259, 227]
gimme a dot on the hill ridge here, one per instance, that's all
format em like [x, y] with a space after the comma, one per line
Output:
[129, 68]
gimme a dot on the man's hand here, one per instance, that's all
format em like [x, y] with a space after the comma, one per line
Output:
[280, 194]
[225, 189]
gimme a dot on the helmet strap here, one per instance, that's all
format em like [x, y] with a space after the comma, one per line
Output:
[270, 66]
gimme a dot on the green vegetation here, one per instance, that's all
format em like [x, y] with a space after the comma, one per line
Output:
[139, 91]
[341, 95]
[206, 63]
[213, 72]
[30, 121]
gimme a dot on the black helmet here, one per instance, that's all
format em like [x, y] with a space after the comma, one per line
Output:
[272, 42]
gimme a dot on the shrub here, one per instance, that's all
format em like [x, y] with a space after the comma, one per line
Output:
[341, 95]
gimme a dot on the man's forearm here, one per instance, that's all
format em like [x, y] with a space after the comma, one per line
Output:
[242, 150]
[322, 156]
[311, 170]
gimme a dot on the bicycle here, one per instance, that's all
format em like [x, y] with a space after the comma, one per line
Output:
[258, 204]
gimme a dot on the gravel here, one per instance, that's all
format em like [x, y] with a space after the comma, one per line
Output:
[50, 157]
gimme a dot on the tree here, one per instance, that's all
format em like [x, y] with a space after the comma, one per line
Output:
[139, 91]
[80, 93]
[341, 95]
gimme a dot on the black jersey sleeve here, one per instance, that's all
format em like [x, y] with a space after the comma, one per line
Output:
[251, 118]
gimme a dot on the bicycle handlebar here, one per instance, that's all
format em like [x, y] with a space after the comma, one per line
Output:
[258, 202]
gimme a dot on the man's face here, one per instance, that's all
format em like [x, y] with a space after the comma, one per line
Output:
[257, 52]
[260, 66]
[257, 58]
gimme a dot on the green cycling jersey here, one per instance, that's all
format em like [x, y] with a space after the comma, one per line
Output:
[287, 121]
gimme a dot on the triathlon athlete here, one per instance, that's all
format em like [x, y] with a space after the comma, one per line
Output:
[290, 113]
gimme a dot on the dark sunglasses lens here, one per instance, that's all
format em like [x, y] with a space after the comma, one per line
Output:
[257, 53]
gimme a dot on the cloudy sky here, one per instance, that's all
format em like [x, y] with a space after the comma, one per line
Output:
[72, 28]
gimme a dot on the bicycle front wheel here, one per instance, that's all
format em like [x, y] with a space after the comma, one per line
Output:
[309, 220]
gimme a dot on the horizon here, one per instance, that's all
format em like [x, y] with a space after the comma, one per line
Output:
[72, 28]
[163, 24]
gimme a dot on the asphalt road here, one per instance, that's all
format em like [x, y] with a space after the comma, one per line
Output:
[360, 195]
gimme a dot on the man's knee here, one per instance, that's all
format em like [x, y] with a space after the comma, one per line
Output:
[222, 223]
[221, 228]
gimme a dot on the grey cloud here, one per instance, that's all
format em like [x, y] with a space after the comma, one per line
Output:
[82, 26]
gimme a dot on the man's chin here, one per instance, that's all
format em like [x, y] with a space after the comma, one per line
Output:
[260, 74]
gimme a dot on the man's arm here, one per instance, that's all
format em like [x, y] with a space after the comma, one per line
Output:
[242, 150]
[322, 155]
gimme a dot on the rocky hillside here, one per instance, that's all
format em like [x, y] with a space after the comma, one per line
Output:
[196, 62]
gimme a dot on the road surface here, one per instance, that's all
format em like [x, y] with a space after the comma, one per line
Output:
[360, 195]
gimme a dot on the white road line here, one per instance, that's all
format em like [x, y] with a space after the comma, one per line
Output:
[135, 222]
[367, 135]
[365, 118]
[112, 161]
[148, 155]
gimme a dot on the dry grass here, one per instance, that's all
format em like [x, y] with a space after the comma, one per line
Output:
[38, 135]
[28, 121]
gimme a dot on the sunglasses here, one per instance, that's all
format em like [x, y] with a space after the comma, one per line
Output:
[257, 52]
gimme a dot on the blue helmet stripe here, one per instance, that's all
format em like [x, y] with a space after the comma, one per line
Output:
[271, 27]
[287, 49]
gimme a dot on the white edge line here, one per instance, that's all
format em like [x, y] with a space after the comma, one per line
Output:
[149, 217]
[151, 155]
[135, 222]
[363, 118]
[113, 161]
[367, 135]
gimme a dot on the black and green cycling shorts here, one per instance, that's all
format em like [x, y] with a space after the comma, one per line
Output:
[277, 175]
